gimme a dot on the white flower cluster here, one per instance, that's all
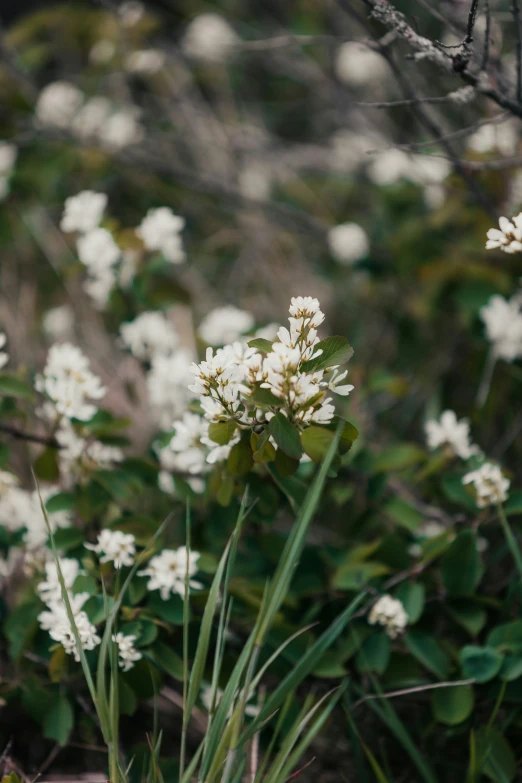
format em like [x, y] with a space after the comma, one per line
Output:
[225, 325]
[503, 322]
[161, 230]
[167, 386]
[116, 547]
[145, 61]
[20, 509]
[168, 572]
[390, 613]
[69, 383]
[62, 105]
[209, 37]
[58, 322]
[151, 334]
[451, 433]
[78, 455]
[55, 619]
[8, 155]
[348, 243]
[191, 450]
[127, 653]
[4, 356]
[508, 237]
[224, 381]
[490, 486]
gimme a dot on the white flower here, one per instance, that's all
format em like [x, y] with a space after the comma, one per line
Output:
[20, 509]
[127, 653]
[495, 136]
[55, 620]
[79, 456]
[149, 335]
[58, 104]
[91, 117]
[209, 37]
[218, 380]
[168, 570]
[102, 51]
[161, 230]
[8, 155]
[356, 64]
[167, 385]
[99, 284]
[145, 61]
[4, 357]
[83, 212]
[449, 431]
[69, 383]
[184, 453]
[121, 129]
[225, 325]
[490, 485]
[390, 613]
[58, 322]
[50, 590]
[335, 379]
[116, 547]
[503, 321]
[130, 12]
[255, 182]
[508, 237]
[97, 249]
[348, 243]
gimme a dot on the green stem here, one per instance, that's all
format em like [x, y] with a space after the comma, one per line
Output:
[510, 538]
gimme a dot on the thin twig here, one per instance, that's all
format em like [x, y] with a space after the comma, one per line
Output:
[407, 691]
[485, 53]
[515, 10]
[21, 435]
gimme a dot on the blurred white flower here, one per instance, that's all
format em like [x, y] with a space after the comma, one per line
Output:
[508, 237]
[8, 155]
[102, 51]
[149, 335]
[131, 12]
[49, 589]
[357, 64]
[4, 357]
[161, 230]
[348, 243]
[58, 322]
[58, 104]
[168, 571]
[167, 385]
[127, 653]
[121, 129]
[83, 212]
[69, 383]
[503, 137]
[449, 431]
[145, 61]
[55, 620]
[490, 485]
[209, 37]
[503, 321]
[225, 325]
[255, 181]
[390, 613]
[79, 456]
[91, 117]
[97, 249]
[115, 546]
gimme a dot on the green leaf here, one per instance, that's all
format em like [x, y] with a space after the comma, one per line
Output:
[21, 625]
[166, 659]
[46, 466]
[511, 668]
[59, 721]
[240, 459]
[121, 485]
[68, 538]
[480, 663]
[262, 448]
[316, 442]
[352, 576]
[399, 457]
[62, 501]
[285, 435]
[260, 344]
[285, 465]
[507, 636]
[335, 350]
[458, 493]
[374, 654]
[452, 705]
[403, 514]
[127, 700]
[461, 568]
[500, 764]
[264, 398]
[412, 596]
[171, 610]
[222, 431]
[429, 652]
[10, 386]
[469, 616]
[513, 504]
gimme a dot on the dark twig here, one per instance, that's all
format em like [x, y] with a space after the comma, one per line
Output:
[515, 10]
[485, 53]
[21, 435]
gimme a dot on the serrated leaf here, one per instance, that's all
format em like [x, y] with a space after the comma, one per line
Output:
[285, 435]
[222, 431]
[334, 350]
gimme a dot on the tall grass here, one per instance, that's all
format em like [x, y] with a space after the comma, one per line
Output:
[230, 742]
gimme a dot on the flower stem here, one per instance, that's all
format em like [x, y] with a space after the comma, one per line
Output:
[487, 375]
[510, 538]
